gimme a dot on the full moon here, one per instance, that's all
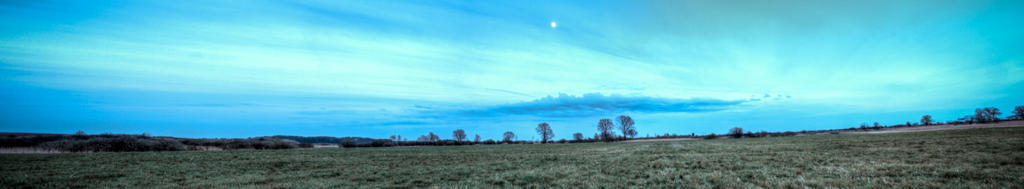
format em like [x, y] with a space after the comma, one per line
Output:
[553, 24]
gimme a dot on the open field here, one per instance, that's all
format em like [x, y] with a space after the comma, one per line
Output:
[984, 157]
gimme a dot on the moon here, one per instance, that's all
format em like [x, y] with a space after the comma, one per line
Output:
[553, 24]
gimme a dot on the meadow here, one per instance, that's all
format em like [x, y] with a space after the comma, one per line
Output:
[969, 158]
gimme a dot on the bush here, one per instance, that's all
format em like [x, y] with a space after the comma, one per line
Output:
[123, 143]
[347, 144]
[134, 143]
[237, 144]
[380, 143]
[262, 144]
[29, 141]
[168, 145]
[710, 136]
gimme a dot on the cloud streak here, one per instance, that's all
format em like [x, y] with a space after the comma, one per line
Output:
[593, 104]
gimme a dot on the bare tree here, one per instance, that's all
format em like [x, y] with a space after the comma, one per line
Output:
[459, 135]
[433, 137]
[577, 136]
[626, 126]
[1018, 112]
[926, 120]
[736, 132]
[509, 136]
[993, 113]
[984, 115]
[979, 115]
[605, 127]
[544, 130]
[477, 139]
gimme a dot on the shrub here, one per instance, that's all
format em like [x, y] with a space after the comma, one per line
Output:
[275, 144]
[347, 144]
[710, 136]
[124, 143]
[788, 133]
[29, 141]
[168, 145]
[237, 144]
[380, 143]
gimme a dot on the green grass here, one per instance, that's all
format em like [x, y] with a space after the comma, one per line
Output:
[987, 158]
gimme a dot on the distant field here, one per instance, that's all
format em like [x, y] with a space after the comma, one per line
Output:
[984, 157]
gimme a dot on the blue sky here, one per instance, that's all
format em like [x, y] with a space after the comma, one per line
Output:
[377, 68]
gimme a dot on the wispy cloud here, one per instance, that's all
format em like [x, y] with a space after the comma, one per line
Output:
[593, 104]
[372, 68]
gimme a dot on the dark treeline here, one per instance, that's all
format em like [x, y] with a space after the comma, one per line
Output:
[622, 128]
[607, 133]
[323, 139]
[390, 143]
[81, 142]
[981, 115]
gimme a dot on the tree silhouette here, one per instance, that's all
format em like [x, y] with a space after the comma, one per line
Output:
[926, 120]
[979, 115]
[984, 115]
[430, 137]
[509, 136]
[626, 126]
[736, 132]
[459, 135]
[396, 138]
[544, 130]
[604, 127]
[433, 137]
[993, 113]
[477, 139]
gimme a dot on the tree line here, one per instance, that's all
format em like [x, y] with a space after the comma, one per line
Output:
[82, 142]
[981, 115]
[606, 132]
[622, 128]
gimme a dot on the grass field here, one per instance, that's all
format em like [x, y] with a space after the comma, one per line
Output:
[987, 158]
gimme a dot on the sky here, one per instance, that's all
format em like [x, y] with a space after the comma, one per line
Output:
[382, 67]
